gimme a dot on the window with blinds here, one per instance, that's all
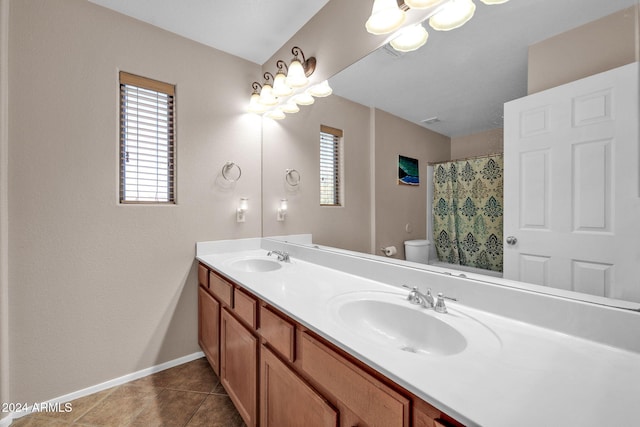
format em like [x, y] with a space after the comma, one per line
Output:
[147, 140]
[330, 166]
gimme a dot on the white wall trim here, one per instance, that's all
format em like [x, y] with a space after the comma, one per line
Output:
[111, 383]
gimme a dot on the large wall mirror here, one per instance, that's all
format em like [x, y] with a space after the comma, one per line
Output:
[444, 101]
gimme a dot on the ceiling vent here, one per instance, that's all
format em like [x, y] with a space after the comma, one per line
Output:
[391, 51]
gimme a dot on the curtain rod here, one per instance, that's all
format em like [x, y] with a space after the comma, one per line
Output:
[465, 158]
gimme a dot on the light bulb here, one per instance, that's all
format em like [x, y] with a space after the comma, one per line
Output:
[320, 90]
[255, 106]
[296, 76]
[386, 17]
[266, 95]
[290, 107]
[410, 38]
[421, 4]
[453, 15]
[280, 86]
[276, 114]
[303, 99]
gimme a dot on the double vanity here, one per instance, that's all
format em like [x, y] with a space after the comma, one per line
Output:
[303, 335]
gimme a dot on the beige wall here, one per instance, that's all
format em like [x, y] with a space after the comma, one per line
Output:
[293, 143]
[398, 205]
[477, 144]
[602, 45]
[100, 290]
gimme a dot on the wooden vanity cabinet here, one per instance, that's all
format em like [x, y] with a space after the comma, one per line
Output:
[279, 374]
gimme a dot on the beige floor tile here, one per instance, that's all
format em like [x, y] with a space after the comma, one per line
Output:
[79, 407]
[171, 408]
[120, 407]
[34, 421]
[216, 411]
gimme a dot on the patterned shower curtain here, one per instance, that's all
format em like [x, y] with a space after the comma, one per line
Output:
[467, 212]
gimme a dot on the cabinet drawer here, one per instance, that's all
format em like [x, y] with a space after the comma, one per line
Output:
[203, 275]
[220, 288]
[278, 332]
[245, 306]
[368, 398]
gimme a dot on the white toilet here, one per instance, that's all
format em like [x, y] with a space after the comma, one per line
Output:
[417, 251]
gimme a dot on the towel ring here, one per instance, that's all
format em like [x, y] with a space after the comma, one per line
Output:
[227, 167]
[292, 177]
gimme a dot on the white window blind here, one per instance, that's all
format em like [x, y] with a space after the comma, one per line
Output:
[330, 166]
[147, 140]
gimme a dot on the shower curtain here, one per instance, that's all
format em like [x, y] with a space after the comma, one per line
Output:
[468, 212]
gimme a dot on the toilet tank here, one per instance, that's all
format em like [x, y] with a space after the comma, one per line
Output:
[417, 251]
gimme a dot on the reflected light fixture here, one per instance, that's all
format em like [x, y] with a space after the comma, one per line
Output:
[298, 71]
[410, 38]
[422, 4]
[242, 208]
[282, 210]
[290, 107]
[320, 90]
[280, 86]
[490, 2]
[303, 98]
[386, 17]
[276, 114]
[255, 106]
[266, 94]
[453, 15]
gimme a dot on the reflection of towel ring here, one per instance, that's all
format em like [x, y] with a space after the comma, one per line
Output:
[227, 167]
[292, 177]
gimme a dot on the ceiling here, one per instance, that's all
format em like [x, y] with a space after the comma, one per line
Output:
[462, 77]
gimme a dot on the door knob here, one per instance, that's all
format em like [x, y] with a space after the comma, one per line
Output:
[512, 240]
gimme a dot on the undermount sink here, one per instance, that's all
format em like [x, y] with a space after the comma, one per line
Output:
[256, 265]
[389, 320]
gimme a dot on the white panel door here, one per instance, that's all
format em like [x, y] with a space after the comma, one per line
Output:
[572, 186]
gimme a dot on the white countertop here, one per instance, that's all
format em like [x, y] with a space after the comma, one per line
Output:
[511, 373]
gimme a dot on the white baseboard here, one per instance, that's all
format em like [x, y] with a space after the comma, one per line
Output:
[105, 385]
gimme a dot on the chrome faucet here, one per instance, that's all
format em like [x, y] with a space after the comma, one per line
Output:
[282, 255]
[427, 300]
[418, 298]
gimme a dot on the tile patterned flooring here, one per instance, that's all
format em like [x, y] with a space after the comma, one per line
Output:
[188, 395]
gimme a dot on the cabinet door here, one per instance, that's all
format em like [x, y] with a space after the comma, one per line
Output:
[369, 400]
[287, 400]
[209, 328]
[239, 366]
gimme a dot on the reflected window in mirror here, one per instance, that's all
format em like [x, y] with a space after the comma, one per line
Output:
[331, 140]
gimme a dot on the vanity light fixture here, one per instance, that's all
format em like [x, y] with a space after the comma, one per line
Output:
[386, 17]
[298, 70]
[255, 106]
[410, 38]
[284, 92]
[280, 86]
[490, 2]
[421, 4]
[267, 96]
[453, 14]
[282, 210]
[276, 114]
[303, 98]
[320, 90]
[290, 107]
[242, 209]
